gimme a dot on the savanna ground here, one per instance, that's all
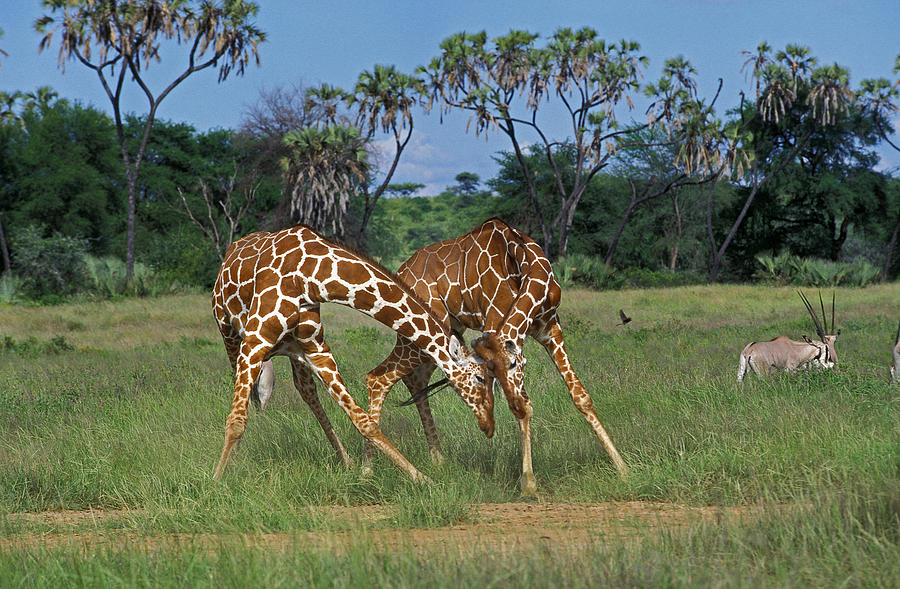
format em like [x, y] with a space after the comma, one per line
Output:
[112, 417]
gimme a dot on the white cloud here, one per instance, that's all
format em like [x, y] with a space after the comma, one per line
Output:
[424, 162]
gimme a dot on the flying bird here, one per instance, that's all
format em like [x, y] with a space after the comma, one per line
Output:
[625, 318]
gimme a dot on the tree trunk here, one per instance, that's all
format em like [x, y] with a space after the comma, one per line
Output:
[720, 253]
[673, 251]
[837, 243]
[890, 252]
[615, 240]
[7, 265]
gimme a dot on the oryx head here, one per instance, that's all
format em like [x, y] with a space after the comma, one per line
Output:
[828, 336]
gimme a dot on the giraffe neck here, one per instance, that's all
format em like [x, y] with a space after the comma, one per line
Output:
[348, 279]
[536, 275]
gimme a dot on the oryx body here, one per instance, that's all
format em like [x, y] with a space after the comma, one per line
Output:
[783, 353]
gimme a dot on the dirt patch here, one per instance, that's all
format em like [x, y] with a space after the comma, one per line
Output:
[502, 526]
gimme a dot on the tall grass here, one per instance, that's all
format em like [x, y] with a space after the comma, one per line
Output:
[130, 415]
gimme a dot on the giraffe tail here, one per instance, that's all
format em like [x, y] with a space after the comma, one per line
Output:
[426, 392]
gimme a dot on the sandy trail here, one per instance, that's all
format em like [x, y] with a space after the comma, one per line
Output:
[502, 526]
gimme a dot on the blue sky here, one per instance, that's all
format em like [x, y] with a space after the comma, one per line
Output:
[333, 41]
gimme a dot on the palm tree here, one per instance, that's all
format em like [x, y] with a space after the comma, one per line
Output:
[325, 168]
[383, 100]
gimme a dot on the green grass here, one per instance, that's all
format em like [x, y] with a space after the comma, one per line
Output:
[129, 414]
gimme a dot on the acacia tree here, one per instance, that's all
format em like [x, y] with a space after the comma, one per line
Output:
[505, 85]
[118, 39]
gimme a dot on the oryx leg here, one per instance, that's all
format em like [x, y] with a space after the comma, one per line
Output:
[742, 367]
[550, 336]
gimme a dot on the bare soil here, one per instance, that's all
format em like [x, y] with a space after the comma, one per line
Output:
[502, 526]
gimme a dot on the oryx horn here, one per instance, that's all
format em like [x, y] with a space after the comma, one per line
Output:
[897, 337]
[832, 312]
[812, 314]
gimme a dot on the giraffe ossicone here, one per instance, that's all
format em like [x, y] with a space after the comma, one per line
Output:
[496, 280]
[266, 302]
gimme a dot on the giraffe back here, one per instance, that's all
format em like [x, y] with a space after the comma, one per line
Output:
[493, 279]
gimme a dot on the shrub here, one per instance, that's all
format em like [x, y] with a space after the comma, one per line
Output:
[10, 288]
[49, 267]
[105, 277]
[591, 272]
[788, 269]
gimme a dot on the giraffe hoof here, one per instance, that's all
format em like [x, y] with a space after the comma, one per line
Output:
[529, 487]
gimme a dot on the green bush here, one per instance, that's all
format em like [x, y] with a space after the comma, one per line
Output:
[788, 269]
[50, 267]
[10, 288]
[591, 272]
[105, 277]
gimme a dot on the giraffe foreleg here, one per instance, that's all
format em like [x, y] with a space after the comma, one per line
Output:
[552, 340]
[528, 482]
[306, 386]
[319, 357]
[416, 381]
[403, 358]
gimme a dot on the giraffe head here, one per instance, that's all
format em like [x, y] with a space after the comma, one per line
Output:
[473, 382]
[504, 362]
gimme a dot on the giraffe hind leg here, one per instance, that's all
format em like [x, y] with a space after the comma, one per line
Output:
[248, 366]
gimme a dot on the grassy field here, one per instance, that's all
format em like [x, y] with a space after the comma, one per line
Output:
[119, 408]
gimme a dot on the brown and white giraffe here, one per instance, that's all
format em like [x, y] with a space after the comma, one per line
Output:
[496, 280]
[266, 302]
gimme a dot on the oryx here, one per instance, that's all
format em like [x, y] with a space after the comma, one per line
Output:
[787, 354]
[895, 365]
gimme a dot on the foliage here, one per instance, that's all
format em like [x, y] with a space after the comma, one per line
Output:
[106, 278]
[125, 37]
[49, 267]
[11, 290]
[507, 84]
[591, 272]
[401, 225]
[33, 347]
[325, 168]
[790, 269]
[61, 171]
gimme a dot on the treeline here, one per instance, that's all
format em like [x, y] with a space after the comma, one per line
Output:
[775, 184]
[62, 213]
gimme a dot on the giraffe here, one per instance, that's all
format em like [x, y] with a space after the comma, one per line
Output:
[266, 302]
[496, 280]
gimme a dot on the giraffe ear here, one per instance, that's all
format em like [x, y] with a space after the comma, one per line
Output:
[456, 350]
[511, 346]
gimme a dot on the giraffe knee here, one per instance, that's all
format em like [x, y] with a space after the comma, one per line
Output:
[234, 428]
[368, 428]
